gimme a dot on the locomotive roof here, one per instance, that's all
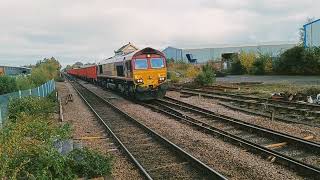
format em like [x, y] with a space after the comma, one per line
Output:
[119, 58]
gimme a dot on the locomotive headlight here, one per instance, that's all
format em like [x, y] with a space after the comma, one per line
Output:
[162, 78]
[139, 80]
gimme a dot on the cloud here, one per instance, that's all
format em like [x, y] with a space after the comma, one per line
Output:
[91, 30]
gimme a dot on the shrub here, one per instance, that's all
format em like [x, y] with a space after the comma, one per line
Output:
[7, 84]
[90, 164]
[192, 71]
[173, 77]
[24, 83]
[262, 65]
[27, 146]
[236, 66]
[27, 151]
[247, 60]
[31, 106]
[299, 61]
[311, 61]
[59, 79]
[206, 76]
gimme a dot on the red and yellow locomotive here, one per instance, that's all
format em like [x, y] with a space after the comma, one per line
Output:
[141, 73]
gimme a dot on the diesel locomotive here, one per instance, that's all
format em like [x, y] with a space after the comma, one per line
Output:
[141, 74]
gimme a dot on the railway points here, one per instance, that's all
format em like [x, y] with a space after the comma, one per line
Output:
[257, 139]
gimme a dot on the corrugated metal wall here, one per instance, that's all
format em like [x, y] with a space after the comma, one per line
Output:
[173, 53]
[205, 54]
[312, 34]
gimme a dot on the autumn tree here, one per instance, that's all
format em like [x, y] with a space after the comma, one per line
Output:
[247, 60]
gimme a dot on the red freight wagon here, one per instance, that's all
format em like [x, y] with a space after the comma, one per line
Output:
[89, 73]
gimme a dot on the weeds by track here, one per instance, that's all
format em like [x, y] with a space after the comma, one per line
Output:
[298, 154]
[155, 156]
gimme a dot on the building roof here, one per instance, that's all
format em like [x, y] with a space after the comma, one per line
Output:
[217, 46]
[311, 22]
[125, 47]
[15, 67]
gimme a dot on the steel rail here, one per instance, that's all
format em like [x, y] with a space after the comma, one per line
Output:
[283, 119]
[301, 167]
[122, 146]
[250, 102]
[281, 136]
[197, 163]
[299, 104]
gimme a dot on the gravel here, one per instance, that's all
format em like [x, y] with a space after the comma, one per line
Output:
[85, 124]
[297, 130]
[230, 160]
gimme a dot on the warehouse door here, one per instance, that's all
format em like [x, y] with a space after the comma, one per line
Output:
[227, 60]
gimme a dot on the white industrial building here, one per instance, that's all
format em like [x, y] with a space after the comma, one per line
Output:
[312, 34]
[218, 54]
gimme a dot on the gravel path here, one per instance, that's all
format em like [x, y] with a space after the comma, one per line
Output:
[85, 124]
[297, 130]
[230, 160]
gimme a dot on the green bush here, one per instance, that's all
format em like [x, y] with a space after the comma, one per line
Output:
[24, 82]
[27, 149]
[7, 84]
[299, 61]
[262, 65]
[31, 106]
[206, 76]
[27, 145]
[90, 164]
[173, 77]
[236, 66]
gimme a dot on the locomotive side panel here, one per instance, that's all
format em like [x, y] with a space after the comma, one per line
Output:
[108, 69]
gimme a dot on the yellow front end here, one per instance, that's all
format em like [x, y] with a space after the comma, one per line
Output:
[150, 78]
[150, 83]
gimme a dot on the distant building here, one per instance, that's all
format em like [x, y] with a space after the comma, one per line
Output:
[312, 34]
[14, 71]
[223, 55]
[126, 49]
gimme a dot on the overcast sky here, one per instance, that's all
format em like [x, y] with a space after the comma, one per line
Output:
[90, 30]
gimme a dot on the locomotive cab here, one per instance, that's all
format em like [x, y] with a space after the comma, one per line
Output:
[149, 74]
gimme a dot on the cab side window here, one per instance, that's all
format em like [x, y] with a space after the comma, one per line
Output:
[100, 69]
[120, 71]
[128, 66]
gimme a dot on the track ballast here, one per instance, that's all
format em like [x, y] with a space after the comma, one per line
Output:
[298, 154]
[155, 156]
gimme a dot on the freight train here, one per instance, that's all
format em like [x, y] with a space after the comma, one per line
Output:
[141, 74]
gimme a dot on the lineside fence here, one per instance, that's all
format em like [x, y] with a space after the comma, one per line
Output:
[41, 91]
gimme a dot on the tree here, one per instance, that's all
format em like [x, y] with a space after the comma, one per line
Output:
[247, 60]
[301, 30]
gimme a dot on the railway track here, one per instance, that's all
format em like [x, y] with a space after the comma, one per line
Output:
[293, 112]
[155, 156]
[298, 154]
